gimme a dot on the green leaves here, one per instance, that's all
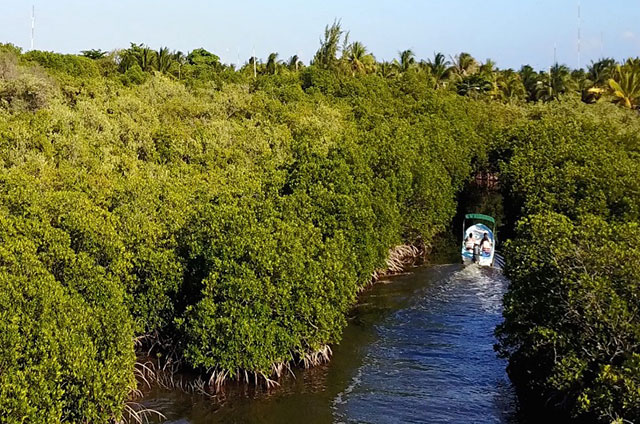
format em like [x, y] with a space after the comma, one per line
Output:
[235, 224]
[571, 329]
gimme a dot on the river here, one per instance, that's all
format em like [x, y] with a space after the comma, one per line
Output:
[418, 349]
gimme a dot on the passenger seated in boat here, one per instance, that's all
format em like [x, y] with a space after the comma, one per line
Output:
[470, 242]
[485, 244]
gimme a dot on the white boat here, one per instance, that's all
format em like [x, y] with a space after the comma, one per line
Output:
[475, 248]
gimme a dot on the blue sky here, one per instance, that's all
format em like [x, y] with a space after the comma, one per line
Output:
[511, 32]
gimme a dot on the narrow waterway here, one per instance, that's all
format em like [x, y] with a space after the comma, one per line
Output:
[418, 349]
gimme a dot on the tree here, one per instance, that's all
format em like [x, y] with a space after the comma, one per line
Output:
[294, 63]
[558, 81]
[326, 56]
[202, 57]
[625, 85]
[272, 63]
[358, 59]
[387, 70]
[139, 54]
[509, 86]
[439, 68]
[529, 78]
[179, 59]
[473, 85]
[94, 53]
[407, 60]
[164, 60]
[601, 71]
[464, 64]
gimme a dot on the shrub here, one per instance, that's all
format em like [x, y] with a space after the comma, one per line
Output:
[575, 344]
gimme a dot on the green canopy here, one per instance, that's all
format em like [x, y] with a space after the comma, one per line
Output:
[480, 216]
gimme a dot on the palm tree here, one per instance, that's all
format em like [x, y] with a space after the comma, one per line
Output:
[474, 85]
[179, 59]
[140, 54]
[272, 63]
[146, 58]
[464, 64]
[558, 81]
[488, 67]
[387, 70]
[439, 68]
[509, 86]
[529, 78]
[358, 59]
[407, 60]
[633, 63]
[294, 63]
[625, 85]
[164, 60]
[601, 71]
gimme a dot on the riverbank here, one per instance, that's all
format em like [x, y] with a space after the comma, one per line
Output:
[418, 347]
[168, 373]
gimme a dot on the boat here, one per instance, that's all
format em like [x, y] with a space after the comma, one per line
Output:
[473, 249]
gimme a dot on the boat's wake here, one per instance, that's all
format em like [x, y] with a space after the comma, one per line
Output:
[433, 361]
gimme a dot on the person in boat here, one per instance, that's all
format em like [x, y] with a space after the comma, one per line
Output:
[485, 243]
[470, 242]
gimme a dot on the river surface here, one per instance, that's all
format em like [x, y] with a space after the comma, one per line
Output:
[418, 349]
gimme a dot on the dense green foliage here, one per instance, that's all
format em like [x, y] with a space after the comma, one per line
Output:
[228, 217]
[572, 328]
[232, 223]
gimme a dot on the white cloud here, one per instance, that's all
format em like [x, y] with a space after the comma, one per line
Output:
[628, 35]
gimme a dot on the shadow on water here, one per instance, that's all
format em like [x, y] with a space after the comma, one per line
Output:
[418, 348]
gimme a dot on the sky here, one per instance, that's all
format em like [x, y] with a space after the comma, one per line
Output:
[510, 32]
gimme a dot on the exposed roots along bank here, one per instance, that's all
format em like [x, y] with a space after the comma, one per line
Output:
[168, 374]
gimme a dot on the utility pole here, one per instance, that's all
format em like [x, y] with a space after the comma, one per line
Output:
[579, 38]
[33, 24]
[255, 72]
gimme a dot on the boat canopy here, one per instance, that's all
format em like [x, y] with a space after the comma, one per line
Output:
[480, 216]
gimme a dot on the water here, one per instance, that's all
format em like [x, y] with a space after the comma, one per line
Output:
[418, 349]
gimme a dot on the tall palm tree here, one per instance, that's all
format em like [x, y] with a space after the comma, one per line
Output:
[625, 85]
[601, 71]
[164, 60]
[407, 60]
[179, 59]
[439, 68]
[463, 65]
[138, 54]
[294, 63]
[509, 86]
[272, 63]
[488, 67]
[358, 59]
[558, 81]
[529, 78]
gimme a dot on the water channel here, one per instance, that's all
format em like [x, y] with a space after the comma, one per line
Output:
[418, 349]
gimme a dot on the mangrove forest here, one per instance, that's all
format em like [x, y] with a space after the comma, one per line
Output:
[167, 207]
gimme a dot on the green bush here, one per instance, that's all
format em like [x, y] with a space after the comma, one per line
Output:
[65, 334]
[571, 329]
[575, 343]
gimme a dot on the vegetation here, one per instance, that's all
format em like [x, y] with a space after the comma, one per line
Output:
[227, 219]
[571, 330]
